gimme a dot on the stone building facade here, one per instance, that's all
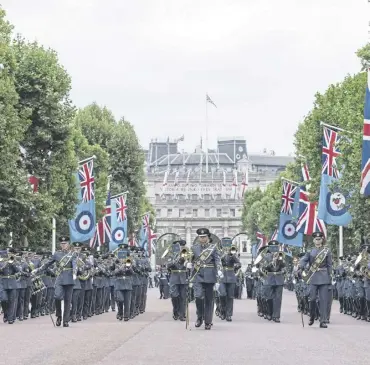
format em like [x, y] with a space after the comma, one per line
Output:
[199, 189]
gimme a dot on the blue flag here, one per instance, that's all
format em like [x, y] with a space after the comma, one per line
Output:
[289, 215]
[333, 208]
[82, 227]
[118, 222]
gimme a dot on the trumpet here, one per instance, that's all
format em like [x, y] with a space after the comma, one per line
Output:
[233, 250]
[127, 262]
[279, 255]
[9, 260]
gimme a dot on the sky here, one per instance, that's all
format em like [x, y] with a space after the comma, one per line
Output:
[153, 61]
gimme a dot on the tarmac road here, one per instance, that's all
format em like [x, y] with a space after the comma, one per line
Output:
[155, 338]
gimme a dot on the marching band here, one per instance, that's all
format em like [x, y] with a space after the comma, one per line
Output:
[210, 273]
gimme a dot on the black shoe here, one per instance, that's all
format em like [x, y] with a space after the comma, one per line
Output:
[120, 318]
[199, 322]
[125, 319]
[79, 319]
[207, 326]
[74, 319]
[58, 321]
[323, 325]
[311, 322]
[175, 317]
[113, 309]
[228, 319]
[182, 319]
[277, 320]
[269, 317]
[65, 324]
[10, 322]
[84, 318]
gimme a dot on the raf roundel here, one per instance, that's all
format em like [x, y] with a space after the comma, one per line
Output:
[118, 235]
[289, 230]
[84, 222]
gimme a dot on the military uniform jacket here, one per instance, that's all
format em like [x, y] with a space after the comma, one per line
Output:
[322, 275]
[8, 275]
[25, 274]
[136, 279]
[229, 262]
[123, 279]
[66, 266]
[275, 272]
[178, 272]
[208, 272]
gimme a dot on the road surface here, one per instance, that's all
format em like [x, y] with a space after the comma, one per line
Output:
[155, 338]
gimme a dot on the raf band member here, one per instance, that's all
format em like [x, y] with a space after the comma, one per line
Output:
[274, 283]
[207, 270]
[64, 283]
[319, 260]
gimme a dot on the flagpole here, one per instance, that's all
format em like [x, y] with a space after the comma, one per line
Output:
[118, 195]
[332, 126]
[53, 236]
[87, 159]
[206, 135]
[291, 181]
[340, 241]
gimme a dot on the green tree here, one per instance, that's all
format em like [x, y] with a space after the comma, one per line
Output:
[43, 86]
[15, 194]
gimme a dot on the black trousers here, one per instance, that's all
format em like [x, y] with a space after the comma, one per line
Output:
[63, 292]
[204, 301]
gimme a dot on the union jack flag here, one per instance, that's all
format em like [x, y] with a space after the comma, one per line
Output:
[287, 197]
[148, 232]
[274, 235]
[365, 165]
[309, 221]
[262, 240]
[305, 175]
[133, 242]
[103, 231]
[87, 180]
[121, 208]
[330, 153]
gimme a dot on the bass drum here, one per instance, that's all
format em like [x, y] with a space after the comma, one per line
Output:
[214, 239]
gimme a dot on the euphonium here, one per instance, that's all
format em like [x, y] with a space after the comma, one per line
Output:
[127, 262]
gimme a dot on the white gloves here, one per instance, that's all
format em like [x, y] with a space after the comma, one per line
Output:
[217, 285]
[190, 285]
[74, 277]
[220, 274]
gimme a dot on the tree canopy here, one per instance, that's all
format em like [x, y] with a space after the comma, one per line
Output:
[341, 105]
[43, 134]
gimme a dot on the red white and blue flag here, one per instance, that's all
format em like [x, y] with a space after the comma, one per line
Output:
[103, 231]
[146, 235]
[262, 240]
[365, 164]
[308, 221]
[82, 226]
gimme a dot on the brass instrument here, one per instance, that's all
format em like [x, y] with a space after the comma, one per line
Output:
[184, 253]
[127, 262]
[261, 256]
[362, 262]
